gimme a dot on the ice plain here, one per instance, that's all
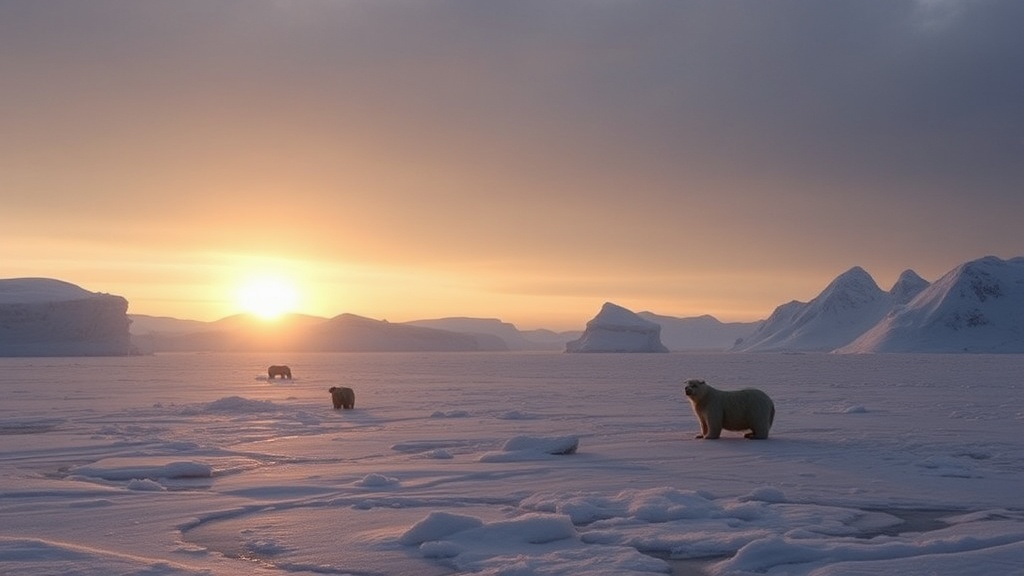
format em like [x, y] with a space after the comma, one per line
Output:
[187, 464]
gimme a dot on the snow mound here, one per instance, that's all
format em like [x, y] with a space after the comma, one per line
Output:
[438, 525]
[533, 543]
[143, 468]
[533, 448]
[377, 481]
[232, 405]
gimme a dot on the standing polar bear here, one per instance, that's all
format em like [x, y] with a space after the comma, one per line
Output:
[342, 397]
[748, 409]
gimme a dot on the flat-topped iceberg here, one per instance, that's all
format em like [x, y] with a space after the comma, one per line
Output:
[616, 329]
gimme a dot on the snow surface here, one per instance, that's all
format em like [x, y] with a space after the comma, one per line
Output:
[196, 464]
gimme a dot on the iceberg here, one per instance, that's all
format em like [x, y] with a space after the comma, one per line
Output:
[46, 317]
[616, 329]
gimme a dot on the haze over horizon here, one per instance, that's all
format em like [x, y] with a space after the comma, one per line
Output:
[526, 161]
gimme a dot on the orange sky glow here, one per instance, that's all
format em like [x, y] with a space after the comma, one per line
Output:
[412, 161]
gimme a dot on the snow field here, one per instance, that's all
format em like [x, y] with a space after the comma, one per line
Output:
[463, 463]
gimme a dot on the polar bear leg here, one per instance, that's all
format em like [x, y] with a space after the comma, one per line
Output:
[713, 428]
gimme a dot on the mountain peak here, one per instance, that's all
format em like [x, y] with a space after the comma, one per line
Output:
[855, 280]
[907, 286]
[976, 307]
[850, 305]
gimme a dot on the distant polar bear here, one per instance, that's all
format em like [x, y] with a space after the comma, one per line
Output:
[737, 410]
[343, 397]
[282, 371]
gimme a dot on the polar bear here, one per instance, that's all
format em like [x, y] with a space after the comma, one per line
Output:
[748, 409]
[343, 397]
[282, 371]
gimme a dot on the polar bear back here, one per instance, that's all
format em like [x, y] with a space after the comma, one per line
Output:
[744, 409]
[737, 410]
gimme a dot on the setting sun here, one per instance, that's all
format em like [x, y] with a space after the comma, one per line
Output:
[267, 297]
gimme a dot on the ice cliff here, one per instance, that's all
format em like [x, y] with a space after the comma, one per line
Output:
[616, 329]
[46, 317]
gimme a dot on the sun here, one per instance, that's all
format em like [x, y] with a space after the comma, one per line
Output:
[267, 296]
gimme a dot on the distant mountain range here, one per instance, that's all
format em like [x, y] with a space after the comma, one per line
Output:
[976, 307]
[343, 333]
[848, 307]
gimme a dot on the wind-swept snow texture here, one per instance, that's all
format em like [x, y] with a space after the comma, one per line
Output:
[616, 329]
[509, 463]
[45, 317]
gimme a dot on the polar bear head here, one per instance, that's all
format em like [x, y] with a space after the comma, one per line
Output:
[696, 389]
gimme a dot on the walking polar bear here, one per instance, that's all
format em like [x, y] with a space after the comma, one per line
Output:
[342, 397]
[748, 409]
[282, 371]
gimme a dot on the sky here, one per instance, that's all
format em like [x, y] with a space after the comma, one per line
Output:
[525, 160]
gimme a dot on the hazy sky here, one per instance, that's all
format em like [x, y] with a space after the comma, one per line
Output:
[526, 160]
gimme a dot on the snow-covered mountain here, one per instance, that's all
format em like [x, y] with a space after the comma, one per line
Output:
[907, 287]
[302, 333]
[976, 307]
[343, 333]
[143, 324]
[616, 329]
[352, 333]
[514, 338]
[47, 317]
[700, 332]
[848, 307]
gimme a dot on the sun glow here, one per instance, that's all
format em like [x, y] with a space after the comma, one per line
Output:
[267, 296]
